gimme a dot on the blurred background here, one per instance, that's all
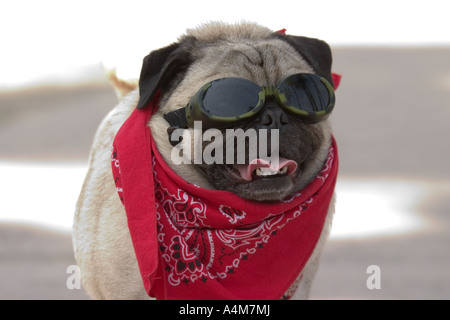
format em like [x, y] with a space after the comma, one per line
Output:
[391, 122]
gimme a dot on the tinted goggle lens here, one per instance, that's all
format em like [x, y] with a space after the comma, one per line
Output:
[228, 101]
[230, 97]
[307, 95]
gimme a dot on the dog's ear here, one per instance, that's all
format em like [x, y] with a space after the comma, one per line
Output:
[159, 68]
[316, 52]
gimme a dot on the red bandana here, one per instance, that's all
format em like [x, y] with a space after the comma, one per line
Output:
[194, 243]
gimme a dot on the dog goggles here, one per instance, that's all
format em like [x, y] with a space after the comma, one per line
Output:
[228, 101]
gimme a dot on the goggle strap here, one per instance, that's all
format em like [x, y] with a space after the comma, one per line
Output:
[177, 120]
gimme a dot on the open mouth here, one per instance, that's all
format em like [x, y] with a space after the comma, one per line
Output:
[262, 169]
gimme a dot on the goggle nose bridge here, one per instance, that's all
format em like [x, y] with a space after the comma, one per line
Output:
[268, 92]
[271, 92]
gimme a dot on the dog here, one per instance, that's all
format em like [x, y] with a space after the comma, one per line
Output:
[102, 242]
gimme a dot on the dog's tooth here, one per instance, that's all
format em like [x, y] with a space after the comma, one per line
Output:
[282, 170]
[269, 172]
[265, 172]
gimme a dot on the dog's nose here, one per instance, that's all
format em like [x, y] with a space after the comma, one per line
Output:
[272, 117]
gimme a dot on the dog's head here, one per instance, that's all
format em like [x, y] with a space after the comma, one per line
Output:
[266, 58]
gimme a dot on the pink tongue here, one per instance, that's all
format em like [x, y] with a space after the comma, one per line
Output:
[246, 170]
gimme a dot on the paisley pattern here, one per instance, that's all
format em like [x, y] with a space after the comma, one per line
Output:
[192, 251]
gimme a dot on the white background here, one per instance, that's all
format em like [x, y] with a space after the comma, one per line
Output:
[44, 40]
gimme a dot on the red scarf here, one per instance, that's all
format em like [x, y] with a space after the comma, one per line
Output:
[194, 243]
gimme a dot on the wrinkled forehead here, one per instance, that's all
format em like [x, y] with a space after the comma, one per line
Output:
[265, 62]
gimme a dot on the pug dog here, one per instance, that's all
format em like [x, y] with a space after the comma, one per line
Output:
[101, 238]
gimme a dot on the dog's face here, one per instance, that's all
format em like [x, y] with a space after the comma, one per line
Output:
[253, 53]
